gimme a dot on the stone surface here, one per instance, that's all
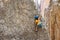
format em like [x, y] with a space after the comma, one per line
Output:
[54, 20]
[17, 21]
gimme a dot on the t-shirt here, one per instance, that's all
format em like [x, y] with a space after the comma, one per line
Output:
[37, 21]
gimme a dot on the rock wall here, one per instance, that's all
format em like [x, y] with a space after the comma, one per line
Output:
[54, 20]
[17, 21]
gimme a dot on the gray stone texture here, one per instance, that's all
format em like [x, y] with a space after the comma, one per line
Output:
[17, 21]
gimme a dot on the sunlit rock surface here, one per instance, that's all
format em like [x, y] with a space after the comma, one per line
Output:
[54, 20]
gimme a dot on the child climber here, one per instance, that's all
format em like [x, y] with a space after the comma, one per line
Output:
[38, 23]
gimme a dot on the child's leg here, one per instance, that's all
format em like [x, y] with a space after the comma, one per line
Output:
[36, 28]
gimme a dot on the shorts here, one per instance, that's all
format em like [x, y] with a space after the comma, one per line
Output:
[40, 25]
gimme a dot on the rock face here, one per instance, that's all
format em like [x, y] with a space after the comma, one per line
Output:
[54, 20]
[17, 21]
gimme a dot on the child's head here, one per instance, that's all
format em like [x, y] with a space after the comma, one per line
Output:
[36, 17]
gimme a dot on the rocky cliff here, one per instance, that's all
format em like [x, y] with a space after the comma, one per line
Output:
[54, 20]
[17, 21]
